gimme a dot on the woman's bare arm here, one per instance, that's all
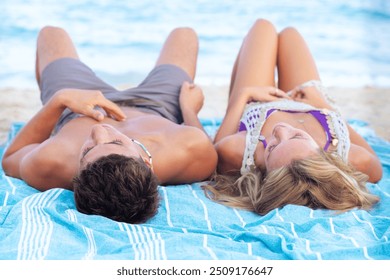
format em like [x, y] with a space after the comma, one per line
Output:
[365, 162]
[230, 153]
[232, 117]
[237, 103]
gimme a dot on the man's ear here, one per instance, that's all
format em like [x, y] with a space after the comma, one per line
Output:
[147, 162]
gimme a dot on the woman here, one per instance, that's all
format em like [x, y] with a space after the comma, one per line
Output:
[287, 144]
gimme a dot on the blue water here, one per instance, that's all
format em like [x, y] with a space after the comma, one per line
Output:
[120, 40]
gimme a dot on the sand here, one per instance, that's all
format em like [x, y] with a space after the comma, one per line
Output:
[371, 105]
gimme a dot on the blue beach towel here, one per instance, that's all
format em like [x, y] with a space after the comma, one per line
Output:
[46, 225]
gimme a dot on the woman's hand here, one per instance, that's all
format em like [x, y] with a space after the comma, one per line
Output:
[311, 96]
[264, 94]
[191, 98]
[85, 101]
[237, 103]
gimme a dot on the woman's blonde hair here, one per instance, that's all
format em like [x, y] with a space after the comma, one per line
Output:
[323, 181]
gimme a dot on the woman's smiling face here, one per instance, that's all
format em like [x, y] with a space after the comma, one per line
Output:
[286, 144]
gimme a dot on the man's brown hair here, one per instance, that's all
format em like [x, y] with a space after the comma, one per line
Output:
[117, 187]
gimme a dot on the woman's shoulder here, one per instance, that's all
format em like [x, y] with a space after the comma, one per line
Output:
[230, 151]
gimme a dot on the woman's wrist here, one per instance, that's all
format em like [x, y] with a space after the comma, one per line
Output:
[242, 98]
[246, 94]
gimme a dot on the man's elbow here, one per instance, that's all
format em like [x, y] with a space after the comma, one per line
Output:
[209, 154]
[205, 155]
[46, 173]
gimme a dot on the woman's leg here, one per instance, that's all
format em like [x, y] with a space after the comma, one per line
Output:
[254, 67]
[53, 43]
[295, 63]
[181, 49]
[255, 63]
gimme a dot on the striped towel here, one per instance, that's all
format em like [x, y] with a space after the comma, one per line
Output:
[46, 225]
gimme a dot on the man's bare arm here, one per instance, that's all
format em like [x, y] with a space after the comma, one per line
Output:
[39, 128]
[191, 102]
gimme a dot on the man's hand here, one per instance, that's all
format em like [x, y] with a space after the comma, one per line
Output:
[191, 102]
[85, 101]
[191, 98]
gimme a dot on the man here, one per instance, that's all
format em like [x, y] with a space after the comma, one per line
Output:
[113, 147]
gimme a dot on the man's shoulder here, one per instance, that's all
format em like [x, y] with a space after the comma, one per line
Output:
[50, 164]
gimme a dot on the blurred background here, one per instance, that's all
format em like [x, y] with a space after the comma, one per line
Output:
[120, 40]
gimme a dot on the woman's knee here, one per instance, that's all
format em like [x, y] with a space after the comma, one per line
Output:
[264, 30]
[264, 25]
[289, 32]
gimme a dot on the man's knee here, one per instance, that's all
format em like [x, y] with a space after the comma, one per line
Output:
[53, 43]
[187, 34]
[50, 32]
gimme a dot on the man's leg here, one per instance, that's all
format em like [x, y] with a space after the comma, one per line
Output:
[181, 49]
[53, 43]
